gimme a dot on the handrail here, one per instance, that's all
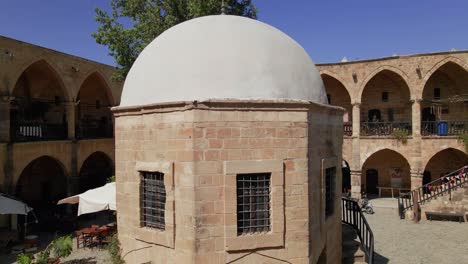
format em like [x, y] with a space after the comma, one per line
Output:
[380, 128]
[353, 216]
[433, 189]
[444, 127]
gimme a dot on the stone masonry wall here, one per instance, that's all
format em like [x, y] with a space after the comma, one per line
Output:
[206, 148]
[365, 81]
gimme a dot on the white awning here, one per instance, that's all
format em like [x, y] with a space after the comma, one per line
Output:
[94, 200]
[12, 206]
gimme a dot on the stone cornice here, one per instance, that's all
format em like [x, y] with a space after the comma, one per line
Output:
[228, 105]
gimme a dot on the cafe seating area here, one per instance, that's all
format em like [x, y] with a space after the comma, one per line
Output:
[94, 236]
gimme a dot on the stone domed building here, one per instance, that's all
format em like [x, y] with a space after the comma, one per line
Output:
[226, 150]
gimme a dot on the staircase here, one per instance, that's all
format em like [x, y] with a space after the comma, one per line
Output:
[447, 194]
[351, 247]
[358, 239]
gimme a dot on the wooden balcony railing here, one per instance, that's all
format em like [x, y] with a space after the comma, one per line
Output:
[384, 128]
[348, 129]
[24, 131]
[444, 128]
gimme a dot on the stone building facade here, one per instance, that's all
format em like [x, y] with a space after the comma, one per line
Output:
[56, 127]
[201, 149]
[404, 117]
[227, 152]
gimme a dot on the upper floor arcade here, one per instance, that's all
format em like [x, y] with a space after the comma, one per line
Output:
[418, 95]
[49, 95]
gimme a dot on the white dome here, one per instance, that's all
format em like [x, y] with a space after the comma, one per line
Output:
[222, 57]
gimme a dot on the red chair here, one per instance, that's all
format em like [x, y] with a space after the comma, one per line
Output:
[80, 239]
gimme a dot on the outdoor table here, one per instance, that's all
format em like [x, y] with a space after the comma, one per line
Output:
[87, 235]
[392, 188]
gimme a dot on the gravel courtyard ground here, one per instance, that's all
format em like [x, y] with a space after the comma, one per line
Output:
[402, 241]
[78, 256]
[87, 256]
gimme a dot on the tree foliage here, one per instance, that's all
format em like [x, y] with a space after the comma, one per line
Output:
[133, 24]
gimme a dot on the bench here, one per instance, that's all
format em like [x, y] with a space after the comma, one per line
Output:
[460, 216]
[392, 188]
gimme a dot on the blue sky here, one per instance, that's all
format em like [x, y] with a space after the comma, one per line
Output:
[327, 29]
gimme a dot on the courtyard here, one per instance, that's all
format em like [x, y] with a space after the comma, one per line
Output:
[403, 241]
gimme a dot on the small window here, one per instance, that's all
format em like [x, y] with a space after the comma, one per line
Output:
[98, 104]
[253, 203]
[385, 97]
[57, 100]
[436, 93]
[330, 180]
[152, 200]
[329, 98]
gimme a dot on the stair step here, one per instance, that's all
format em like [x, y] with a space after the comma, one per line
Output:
[352, 251]
[351, 244]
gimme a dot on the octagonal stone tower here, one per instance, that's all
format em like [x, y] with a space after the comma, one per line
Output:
[226, 151]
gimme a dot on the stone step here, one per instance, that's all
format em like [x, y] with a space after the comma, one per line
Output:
[348, 234]
[352, 251]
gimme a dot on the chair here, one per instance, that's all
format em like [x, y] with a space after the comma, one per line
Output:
[80, 239]
[104, 236]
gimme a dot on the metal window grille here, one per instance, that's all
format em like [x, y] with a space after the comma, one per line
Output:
[253, 203]
[330, 180]
[152, 200]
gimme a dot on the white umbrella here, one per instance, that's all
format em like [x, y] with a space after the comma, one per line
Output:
[94, 200]
[12, 206]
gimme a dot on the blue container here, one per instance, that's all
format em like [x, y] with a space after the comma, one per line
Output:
[442, 128]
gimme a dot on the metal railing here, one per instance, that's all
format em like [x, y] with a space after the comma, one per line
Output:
[24, 131]
[92, 129]
[444, 128]
[348, 129]
[384, 128]
[353, 216]
[444, 185]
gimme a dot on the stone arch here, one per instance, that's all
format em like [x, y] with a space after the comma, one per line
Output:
[95, 171]
[443, 94]
[444, 161]
[105, 82]
[338, 94]
[379, 70]
[338, 78]
[441, 63]
[385, 103]
[50, 66]
[94, 100]
[385, 168]
[41, 184]
[38, 110]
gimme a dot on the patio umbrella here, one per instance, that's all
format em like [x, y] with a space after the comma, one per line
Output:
[12, 206]
[94, 200]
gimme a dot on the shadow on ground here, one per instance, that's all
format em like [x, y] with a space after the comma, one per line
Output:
[90, 260]
[379, 259]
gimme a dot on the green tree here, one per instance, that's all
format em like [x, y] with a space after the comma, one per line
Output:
[133, 24]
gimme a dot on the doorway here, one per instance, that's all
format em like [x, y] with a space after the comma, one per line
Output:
[372, 181]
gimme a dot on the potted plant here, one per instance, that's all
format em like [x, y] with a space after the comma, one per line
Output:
[61, 247]
[400, 135]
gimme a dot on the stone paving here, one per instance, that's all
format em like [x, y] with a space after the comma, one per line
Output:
[402, 241]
